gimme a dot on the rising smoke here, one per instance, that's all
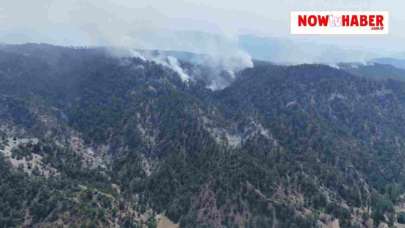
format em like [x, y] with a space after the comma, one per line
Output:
[147, 30]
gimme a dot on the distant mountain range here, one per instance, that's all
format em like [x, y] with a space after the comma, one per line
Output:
[268, 48]
[284, 51]
[396, 62]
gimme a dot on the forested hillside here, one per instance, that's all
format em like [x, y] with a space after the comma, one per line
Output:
[88, 139]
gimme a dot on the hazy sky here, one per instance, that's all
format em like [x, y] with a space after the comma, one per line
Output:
[125, 22]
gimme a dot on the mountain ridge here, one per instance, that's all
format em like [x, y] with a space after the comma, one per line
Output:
[127, 140]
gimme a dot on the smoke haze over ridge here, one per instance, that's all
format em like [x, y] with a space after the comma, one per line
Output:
[166, 25]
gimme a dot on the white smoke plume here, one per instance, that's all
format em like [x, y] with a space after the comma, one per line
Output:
[150, 25]
[136, 54]
[220, 52]
[159, 58]
[135, 29]
[131, 25]
[174, 64]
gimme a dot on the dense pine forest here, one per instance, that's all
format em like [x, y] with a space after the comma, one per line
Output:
[89, 139]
